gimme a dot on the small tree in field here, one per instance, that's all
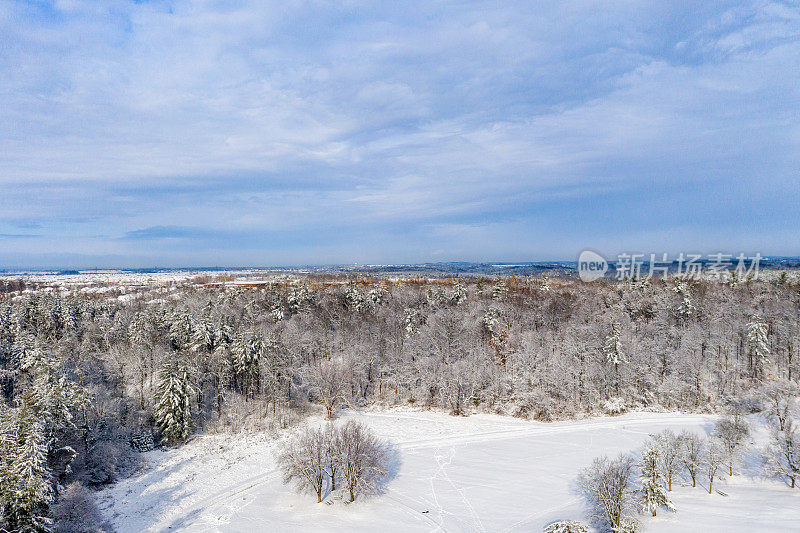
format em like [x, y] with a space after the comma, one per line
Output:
[713, 460]
[732, 432]
[653, 495]
[783, 452]
[608, 487]
[350, 452]
[668, 453]
[693, 452]
[333, 453]
[302, 459]
[363, 459]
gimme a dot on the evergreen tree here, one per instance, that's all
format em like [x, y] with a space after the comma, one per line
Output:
[25, 481]
[51, 395]
[652, 494]
[247, 359]
[173, 410]
[499, 289]
[612, 347]
[758, 346]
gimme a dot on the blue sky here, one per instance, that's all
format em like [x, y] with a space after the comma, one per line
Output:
[283, 133]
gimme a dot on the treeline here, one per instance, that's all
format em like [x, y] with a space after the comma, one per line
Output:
[201, 357]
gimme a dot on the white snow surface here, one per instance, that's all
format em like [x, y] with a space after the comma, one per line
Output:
[476, 473]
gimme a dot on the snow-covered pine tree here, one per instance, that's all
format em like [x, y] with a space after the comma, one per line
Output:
[612, 346]
[247, 355]
[612, 349]
[499, 289]
[173, 409]
[686, 308]
[353, 297]
[298, 298]
[758, 346]
[51, 396]
[410, 321]
[205, 337]
[25, 481]
[181, 329]
[376, 296]
[652, 494]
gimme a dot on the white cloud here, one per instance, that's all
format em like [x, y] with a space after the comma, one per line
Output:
[372, 114]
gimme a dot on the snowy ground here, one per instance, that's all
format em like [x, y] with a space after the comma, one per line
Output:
[481, 473]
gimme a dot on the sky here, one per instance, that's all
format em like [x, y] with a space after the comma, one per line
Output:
[238, 133]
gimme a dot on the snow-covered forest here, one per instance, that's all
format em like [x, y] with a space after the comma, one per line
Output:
[91, 378]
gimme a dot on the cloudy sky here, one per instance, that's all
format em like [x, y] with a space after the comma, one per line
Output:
[175, 133]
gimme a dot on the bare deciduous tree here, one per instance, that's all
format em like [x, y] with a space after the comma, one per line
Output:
[329, 380]
[713, 459]
[693, 452]
[301, 458]
[669, 455]
[350, 451]
[779, 396]
[783, 452]
[608, 485]
[732, 432]
[363, 459]
[333, 453]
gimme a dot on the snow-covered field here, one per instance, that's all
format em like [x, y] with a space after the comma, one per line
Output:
[480, 473]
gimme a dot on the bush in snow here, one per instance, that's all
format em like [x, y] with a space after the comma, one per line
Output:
[566, 526]
[627, 525]
[614, 406]
[608, 487]
[76, 512]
